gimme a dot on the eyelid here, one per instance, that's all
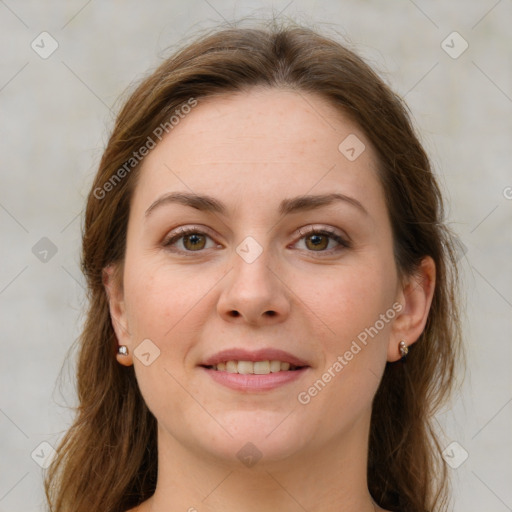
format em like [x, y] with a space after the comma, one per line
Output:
[315, 228]
[186, 230]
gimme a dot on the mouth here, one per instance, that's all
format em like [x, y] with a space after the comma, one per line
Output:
[260, 370]
[259, 362]
[254, 367]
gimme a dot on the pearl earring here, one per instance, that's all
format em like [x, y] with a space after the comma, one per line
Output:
[402, 347]
[123, 350]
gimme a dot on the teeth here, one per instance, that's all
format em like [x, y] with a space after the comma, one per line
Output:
[275, 366]
[245, 367]
[231, 367]
[260, 367]
[257, 367]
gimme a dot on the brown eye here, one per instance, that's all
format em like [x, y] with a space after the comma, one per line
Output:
[323, 241]
[187, 240]
[317, 242]
[194, 242]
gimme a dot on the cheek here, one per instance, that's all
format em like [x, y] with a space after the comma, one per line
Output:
[350, 301]
[170, 306]
[356, 306]
[163, 305]
[159, 297]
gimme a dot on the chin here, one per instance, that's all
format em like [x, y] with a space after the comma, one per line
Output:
[258, 437]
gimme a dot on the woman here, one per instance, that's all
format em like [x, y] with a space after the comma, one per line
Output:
[273, 316]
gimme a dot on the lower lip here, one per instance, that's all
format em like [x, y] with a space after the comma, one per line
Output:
[252, 382]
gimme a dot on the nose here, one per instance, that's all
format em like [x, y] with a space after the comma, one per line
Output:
[254, 292]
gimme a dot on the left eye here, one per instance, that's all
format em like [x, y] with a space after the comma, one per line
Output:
[319, 239]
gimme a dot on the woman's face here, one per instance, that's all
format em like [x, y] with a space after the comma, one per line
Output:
[278, 271]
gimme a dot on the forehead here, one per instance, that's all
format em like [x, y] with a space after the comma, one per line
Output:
[253, 120]
[258, 144]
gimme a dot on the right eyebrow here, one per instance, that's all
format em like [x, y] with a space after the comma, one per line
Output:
[199, 202]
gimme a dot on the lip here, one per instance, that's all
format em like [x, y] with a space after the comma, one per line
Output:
[252, 382]
[264, 354]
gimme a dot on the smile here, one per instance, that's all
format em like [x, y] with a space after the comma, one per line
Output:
[254, 367]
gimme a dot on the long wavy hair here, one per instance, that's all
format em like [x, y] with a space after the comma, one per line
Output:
[107, 460]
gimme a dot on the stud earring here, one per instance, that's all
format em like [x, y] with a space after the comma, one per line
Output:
[402, 347]
[123, 350]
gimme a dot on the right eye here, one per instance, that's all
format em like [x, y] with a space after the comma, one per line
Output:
[191, 239]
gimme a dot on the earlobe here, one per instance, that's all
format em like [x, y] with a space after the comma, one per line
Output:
[416, 296]
[123, 356]
[113, 289]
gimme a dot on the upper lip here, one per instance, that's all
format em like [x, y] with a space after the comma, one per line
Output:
[264, 354]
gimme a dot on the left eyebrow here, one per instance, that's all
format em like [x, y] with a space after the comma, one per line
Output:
[310, 202]
[287, 206]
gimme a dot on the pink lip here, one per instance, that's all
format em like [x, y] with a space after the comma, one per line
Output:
[264, 354]
[252, 382]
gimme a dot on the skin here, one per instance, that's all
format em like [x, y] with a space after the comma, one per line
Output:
[250, 151]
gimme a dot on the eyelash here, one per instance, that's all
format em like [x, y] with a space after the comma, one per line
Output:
[182, 232]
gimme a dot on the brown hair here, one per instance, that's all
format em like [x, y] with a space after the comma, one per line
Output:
[113, 427]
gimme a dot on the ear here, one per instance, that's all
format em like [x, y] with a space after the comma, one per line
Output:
[415, 295]
[112, 281]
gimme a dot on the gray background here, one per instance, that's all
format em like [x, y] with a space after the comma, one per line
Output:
[56, 114]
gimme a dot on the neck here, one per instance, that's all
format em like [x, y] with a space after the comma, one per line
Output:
[328, 478]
